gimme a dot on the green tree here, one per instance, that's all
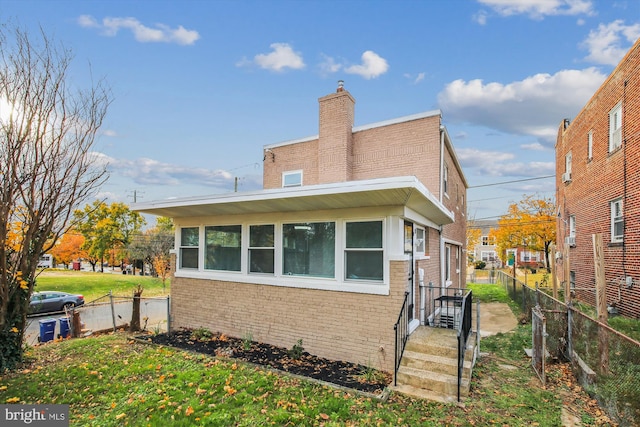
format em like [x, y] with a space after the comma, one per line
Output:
[107, 228]
[47, 165]
[153, 246]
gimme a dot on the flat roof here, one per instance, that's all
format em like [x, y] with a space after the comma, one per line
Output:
[397, 191]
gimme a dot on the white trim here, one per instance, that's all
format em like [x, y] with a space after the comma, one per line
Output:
[403, 119]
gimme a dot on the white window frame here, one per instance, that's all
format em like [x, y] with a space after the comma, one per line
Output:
[567, 163]
[615, 127]
[420, 241]
[197, 247]
[261, 248]
[617, 217]
[345, 249]
[289, 174]
[488, 256]
[445, 179]
[590, 145]
[337, 283]
[572, 225]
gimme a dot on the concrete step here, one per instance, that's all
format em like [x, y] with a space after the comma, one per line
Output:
[435, 363]
[446, 385]
[421, 393]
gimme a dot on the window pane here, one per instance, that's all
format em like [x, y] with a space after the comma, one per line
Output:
[364, 234]
[364, 265]
[223, 251]
[292, 179]
[309, 249]
[189, 236]
[261, 236]
[261, 261]
[189, 258]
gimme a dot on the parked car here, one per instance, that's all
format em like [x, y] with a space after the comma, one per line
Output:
[51, 301]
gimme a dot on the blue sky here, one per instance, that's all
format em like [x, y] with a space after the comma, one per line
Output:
[199, 87]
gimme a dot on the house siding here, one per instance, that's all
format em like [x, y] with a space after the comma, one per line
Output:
[596, 182]
[346, 326]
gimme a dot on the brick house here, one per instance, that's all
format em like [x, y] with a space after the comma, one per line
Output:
[598, 188]
[326, 251]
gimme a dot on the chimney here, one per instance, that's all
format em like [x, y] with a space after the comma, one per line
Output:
[335, 144]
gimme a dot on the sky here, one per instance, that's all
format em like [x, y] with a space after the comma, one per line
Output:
[200, 87]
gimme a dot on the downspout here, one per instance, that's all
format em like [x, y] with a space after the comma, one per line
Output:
[441, 190]
[442, 253]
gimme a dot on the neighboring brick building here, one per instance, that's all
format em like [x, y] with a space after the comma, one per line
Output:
[326, 251]
[598, 187]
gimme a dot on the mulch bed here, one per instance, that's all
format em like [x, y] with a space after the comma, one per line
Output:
[344, 374]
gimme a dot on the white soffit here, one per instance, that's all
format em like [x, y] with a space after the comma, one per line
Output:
[397, 191]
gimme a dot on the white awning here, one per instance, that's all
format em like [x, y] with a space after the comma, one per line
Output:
[397, 191]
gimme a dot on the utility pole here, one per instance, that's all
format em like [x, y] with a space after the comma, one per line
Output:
[135, 195]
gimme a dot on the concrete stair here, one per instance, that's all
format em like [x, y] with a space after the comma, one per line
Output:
[429, 365]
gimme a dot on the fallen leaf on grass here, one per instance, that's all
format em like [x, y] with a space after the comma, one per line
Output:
[188, 411]
[120, 416]
[13, 400]
[324, 416]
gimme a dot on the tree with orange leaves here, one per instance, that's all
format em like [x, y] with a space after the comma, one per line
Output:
[69, 248]
[530, 223]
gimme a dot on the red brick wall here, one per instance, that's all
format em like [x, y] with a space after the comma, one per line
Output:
[597, 181]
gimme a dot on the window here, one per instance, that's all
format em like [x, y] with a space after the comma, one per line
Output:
[445, 179]
[488, 256]
[292, 179]
[617, 221]
[590, 145]
[487, 240]
[421, 242]
[447, 261]
[567, 163]
[223, 247]
[261, 252]
[309, 249]
[572, 225]
[615, 127]
[189, 242]
[363, 253]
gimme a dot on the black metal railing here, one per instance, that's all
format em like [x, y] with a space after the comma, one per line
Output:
[463, 331]
[402, 333]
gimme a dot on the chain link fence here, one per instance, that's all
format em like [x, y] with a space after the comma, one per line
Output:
[605, 362]
[108, 313]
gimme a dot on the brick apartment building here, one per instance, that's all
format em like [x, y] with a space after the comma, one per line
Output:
[326, 251]
[598, 187]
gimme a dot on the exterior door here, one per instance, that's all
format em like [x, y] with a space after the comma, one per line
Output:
[408, 250]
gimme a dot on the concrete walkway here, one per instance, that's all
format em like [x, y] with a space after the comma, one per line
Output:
[495, 317]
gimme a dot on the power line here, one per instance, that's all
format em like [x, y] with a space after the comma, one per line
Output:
[513, 181]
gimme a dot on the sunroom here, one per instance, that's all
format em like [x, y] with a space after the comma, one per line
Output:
[337, 237]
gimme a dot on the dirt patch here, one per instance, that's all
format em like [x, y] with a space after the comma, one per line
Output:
[295, 360]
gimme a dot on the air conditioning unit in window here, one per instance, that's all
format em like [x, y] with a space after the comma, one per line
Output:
[570, 240]
[566, 177]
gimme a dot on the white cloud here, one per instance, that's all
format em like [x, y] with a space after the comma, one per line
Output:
[372, 66]
[282, 56]
[160, 34]
[328, 65]
[535, 146]
[538, 9]
[605, 43]
[499, 163]
[145, 171]
[109, 132]
[480, 17]
[534, 106]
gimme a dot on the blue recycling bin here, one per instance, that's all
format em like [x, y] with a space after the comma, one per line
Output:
[64, 327]
[47, 329]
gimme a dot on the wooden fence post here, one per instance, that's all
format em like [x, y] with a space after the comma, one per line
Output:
[601, 301]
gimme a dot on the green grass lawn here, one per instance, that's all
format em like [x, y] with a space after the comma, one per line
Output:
[95, 285]
[113, 380]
